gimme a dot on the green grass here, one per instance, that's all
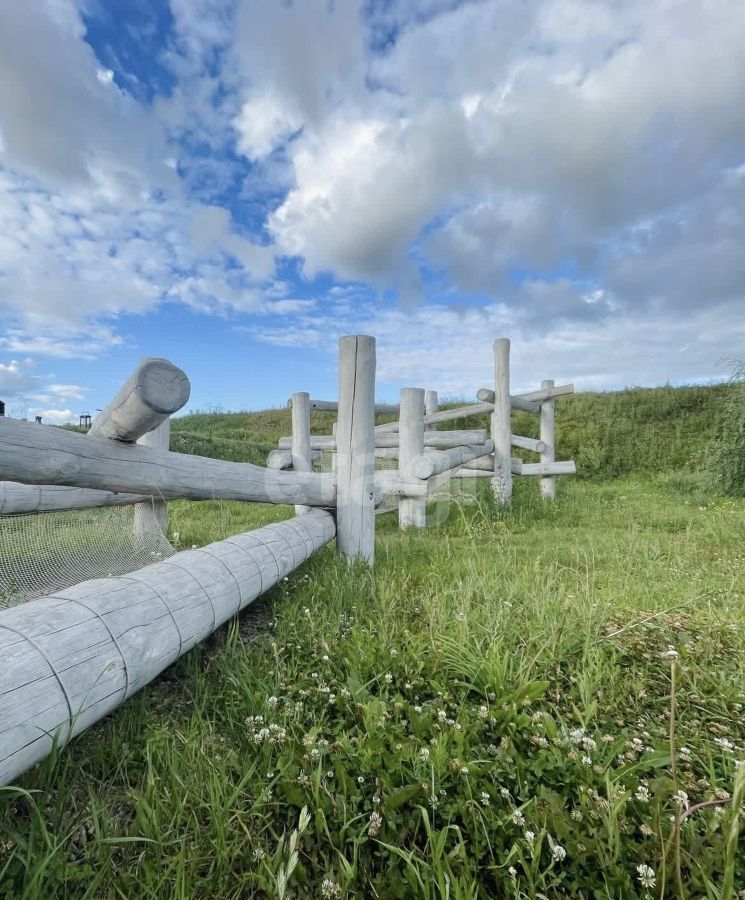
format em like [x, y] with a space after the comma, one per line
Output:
[493, 712]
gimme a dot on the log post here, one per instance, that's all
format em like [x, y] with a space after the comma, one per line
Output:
[548, 436]
[301, 456]
[355, 446]
[153, 513]
[501, 423]
[412, 513]
[430, 406]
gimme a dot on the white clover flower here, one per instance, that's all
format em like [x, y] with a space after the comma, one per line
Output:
[424, 754]
[587, 760]
[360, 779]
[512, 872]
[505, 792]
[642, 793]
[394, 652]
[646, 830]
[558, 853]
[259, 853]
[518, 818]
[485, 799]
[375, 824]
[484, 711]
[272, 701]
[330, 889]
[530, 837]
[388, 678]
[671, 653]
[680, 798]
[646, 876]
[464, 771]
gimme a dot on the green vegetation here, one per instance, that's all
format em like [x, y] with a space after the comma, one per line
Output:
[724, 459]
[518, 704]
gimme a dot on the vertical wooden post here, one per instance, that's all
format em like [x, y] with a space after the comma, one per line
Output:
[501, 420]
[153, 514]
[355, 446]
[412, 511]
[548, 435]
[301, 438]
[430, 406]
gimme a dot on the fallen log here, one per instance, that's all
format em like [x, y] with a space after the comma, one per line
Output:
[69, 660]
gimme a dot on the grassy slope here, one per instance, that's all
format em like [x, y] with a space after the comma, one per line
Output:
[498, 667]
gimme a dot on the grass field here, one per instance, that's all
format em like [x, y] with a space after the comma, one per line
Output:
[532, 703]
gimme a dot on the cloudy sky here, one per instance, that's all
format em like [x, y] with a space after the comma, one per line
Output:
[235, 183]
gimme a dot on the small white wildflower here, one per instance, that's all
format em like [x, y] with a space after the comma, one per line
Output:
[394, 652]
[484, 711]
[512, 872]
[360, 779]
[330, 889]
[671, 653]
[558, 853]
[642, 793]
[375, 824]
[680, 798]
[646, 876]
[505, 793]
[388, 678]
[530, 837]
[424, 754]
[485, 799]
[646, 830]
[464, 771]
[518, 818]
[272, 701]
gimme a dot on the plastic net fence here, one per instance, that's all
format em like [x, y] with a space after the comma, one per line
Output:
[390, 502]
[41, 553]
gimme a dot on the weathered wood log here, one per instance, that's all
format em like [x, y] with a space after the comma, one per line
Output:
[69, 660]
[388, 439]
[153, 513]
[501, 423]
[16, 499]
[444, 415]
[558, 390]
[560, 467]
[282, 459]
[526, 443]
[529, 406]
[438, 461]
[430, 407]
[548, 427]
[333, 406]
[391, 483]
[301, 458]
[486, 464]
[355, 447]
[412, 513]
[43, 454]
[154, 391]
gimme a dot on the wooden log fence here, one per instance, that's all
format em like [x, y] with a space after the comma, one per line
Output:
[72, 658]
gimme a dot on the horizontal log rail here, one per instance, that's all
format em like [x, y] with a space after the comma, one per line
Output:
[445, 415]
[386, 439]
[333, 406]
[43, 454]
[439, 461]
[478, 467]
[70, 659]
[17, 499]
[529, 401]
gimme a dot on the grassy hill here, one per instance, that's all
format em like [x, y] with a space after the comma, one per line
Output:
[638, 430]
[545, 701]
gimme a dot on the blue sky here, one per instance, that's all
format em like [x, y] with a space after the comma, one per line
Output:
[233, 184]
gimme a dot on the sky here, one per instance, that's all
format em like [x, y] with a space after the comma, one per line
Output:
[233, 184]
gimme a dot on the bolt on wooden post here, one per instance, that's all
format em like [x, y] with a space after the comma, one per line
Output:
[301, 455]
[501, 426]
[355, 449]
[412, 511]
[548, 436]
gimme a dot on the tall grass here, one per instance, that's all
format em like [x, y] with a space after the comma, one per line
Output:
[723, 460]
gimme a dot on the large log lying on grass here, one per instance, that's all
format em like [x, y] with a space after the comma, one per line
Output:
[69, 660]
[43, 454]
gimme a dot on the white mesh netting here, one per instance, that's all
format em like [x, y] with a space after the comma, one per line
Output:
[390, 502]
[45, 552]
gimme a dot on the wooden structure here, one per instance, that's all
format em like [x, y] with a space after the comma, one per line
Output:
[71, 658]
